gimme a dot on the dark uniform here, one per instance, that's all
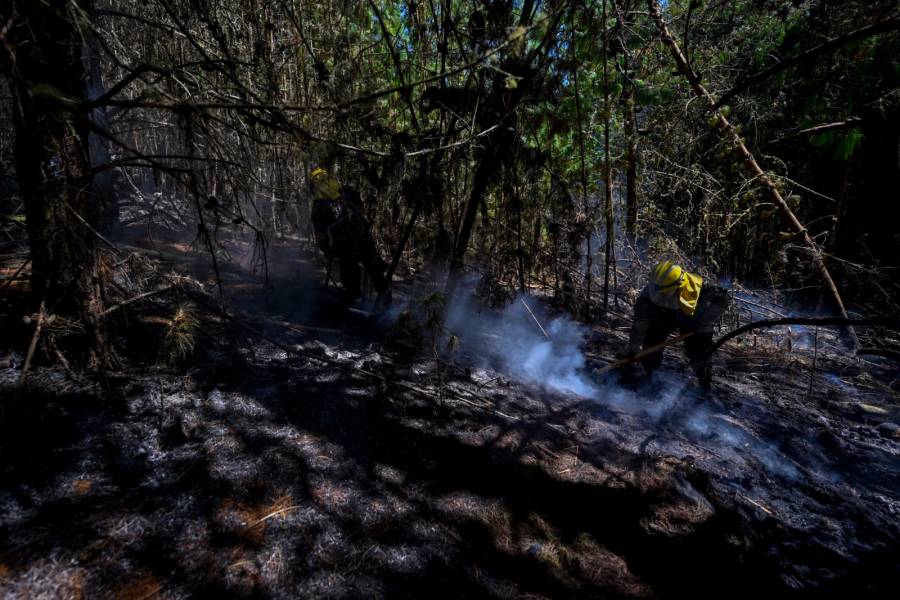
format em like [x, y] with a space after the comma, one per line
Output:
[343, 232]
[657, 315]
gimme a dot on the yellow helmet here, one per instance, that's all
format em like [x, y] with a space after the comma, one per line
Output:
[324, 186]
[667, 277]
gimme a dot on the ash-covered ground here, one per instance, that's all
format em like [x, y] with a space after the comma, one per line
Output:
[335, 460]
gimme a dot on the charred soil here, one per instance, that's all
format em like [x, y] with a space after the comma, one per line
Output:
[335, 462]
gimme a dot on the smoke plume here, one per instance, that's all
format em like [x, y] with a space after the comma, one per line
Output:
[525, 342]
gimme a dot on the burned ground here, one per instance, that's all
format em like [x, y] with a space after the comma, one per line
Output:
[338, 463]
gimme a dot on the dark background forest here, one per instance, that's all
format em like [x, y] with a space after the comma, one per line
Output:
[155, 204]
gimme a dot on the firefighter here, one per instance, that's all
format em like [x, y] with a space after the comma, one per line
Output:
[343, 233]
[675, 299]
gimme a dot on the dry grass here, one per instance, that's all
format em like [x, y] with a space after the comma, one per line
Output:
[82, 487]
[249, 521]
[179, 340]
[144, 587]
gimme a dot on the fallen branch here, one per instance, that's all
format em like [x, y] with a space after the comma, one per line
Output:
[137, 298]
[756, 504]
[818, 322]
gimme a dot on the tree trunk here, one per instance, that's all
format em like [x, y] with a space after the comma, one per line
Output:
[630, 171]
[104, 190]
[609, 254]
[630, 118]
[588, 213]
[488, 164]
[53, 164]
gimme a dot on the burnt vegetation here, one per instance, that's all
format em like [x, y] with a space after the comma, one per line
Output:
[191, 405]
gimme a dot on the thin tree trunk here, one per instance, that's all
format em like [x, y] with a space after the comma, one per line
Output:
[630, 171]
[750, 163]
[104, 183]
[607, 170]
[496, 144]
[589, 266]
[630, 135]
[520, 251]
[487, 166]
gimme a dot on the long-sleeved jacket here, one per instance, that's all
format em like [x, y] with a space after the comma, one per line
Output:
[651, 305]
[341, 226]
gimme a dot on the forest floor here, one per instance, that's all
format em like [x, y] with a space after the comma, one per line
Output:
[332, 460]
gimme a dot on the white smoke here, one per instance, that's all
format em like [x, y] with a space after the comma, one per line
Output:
[514, 343]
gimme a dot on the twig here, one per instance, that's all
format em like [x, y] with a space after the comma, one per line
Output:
[760, 306]
[486, 382]
[94, 231]
[453, 145]
[273, 514]
[34, 342]
[16, 274]
[812, 370]
[137, 298]
[757, 504]
[525, 304]
[848, 124]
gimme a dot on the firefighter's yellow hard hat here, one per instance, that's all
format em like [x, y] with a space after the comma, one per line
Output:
[324, 185]
[667, 276]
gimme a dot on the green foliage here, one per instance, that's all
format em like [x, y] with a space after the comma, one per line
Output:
[848, 144]
[650, 95]
[590, 74]
[841, 145]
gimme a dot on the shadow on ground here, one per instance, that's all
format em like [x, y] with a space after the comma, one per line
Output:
[262, 473]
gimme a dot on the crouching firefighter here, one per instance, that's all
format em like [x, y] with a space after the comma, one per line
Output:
[343, 233]
[675, 299]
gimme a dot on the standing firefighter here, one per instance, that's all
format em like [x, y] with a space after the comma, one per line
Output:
[675, 299]
[342, 232]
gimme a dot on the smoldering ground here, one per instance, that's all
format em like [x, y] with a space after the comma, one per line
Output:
[525, 341]
[262, 472]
